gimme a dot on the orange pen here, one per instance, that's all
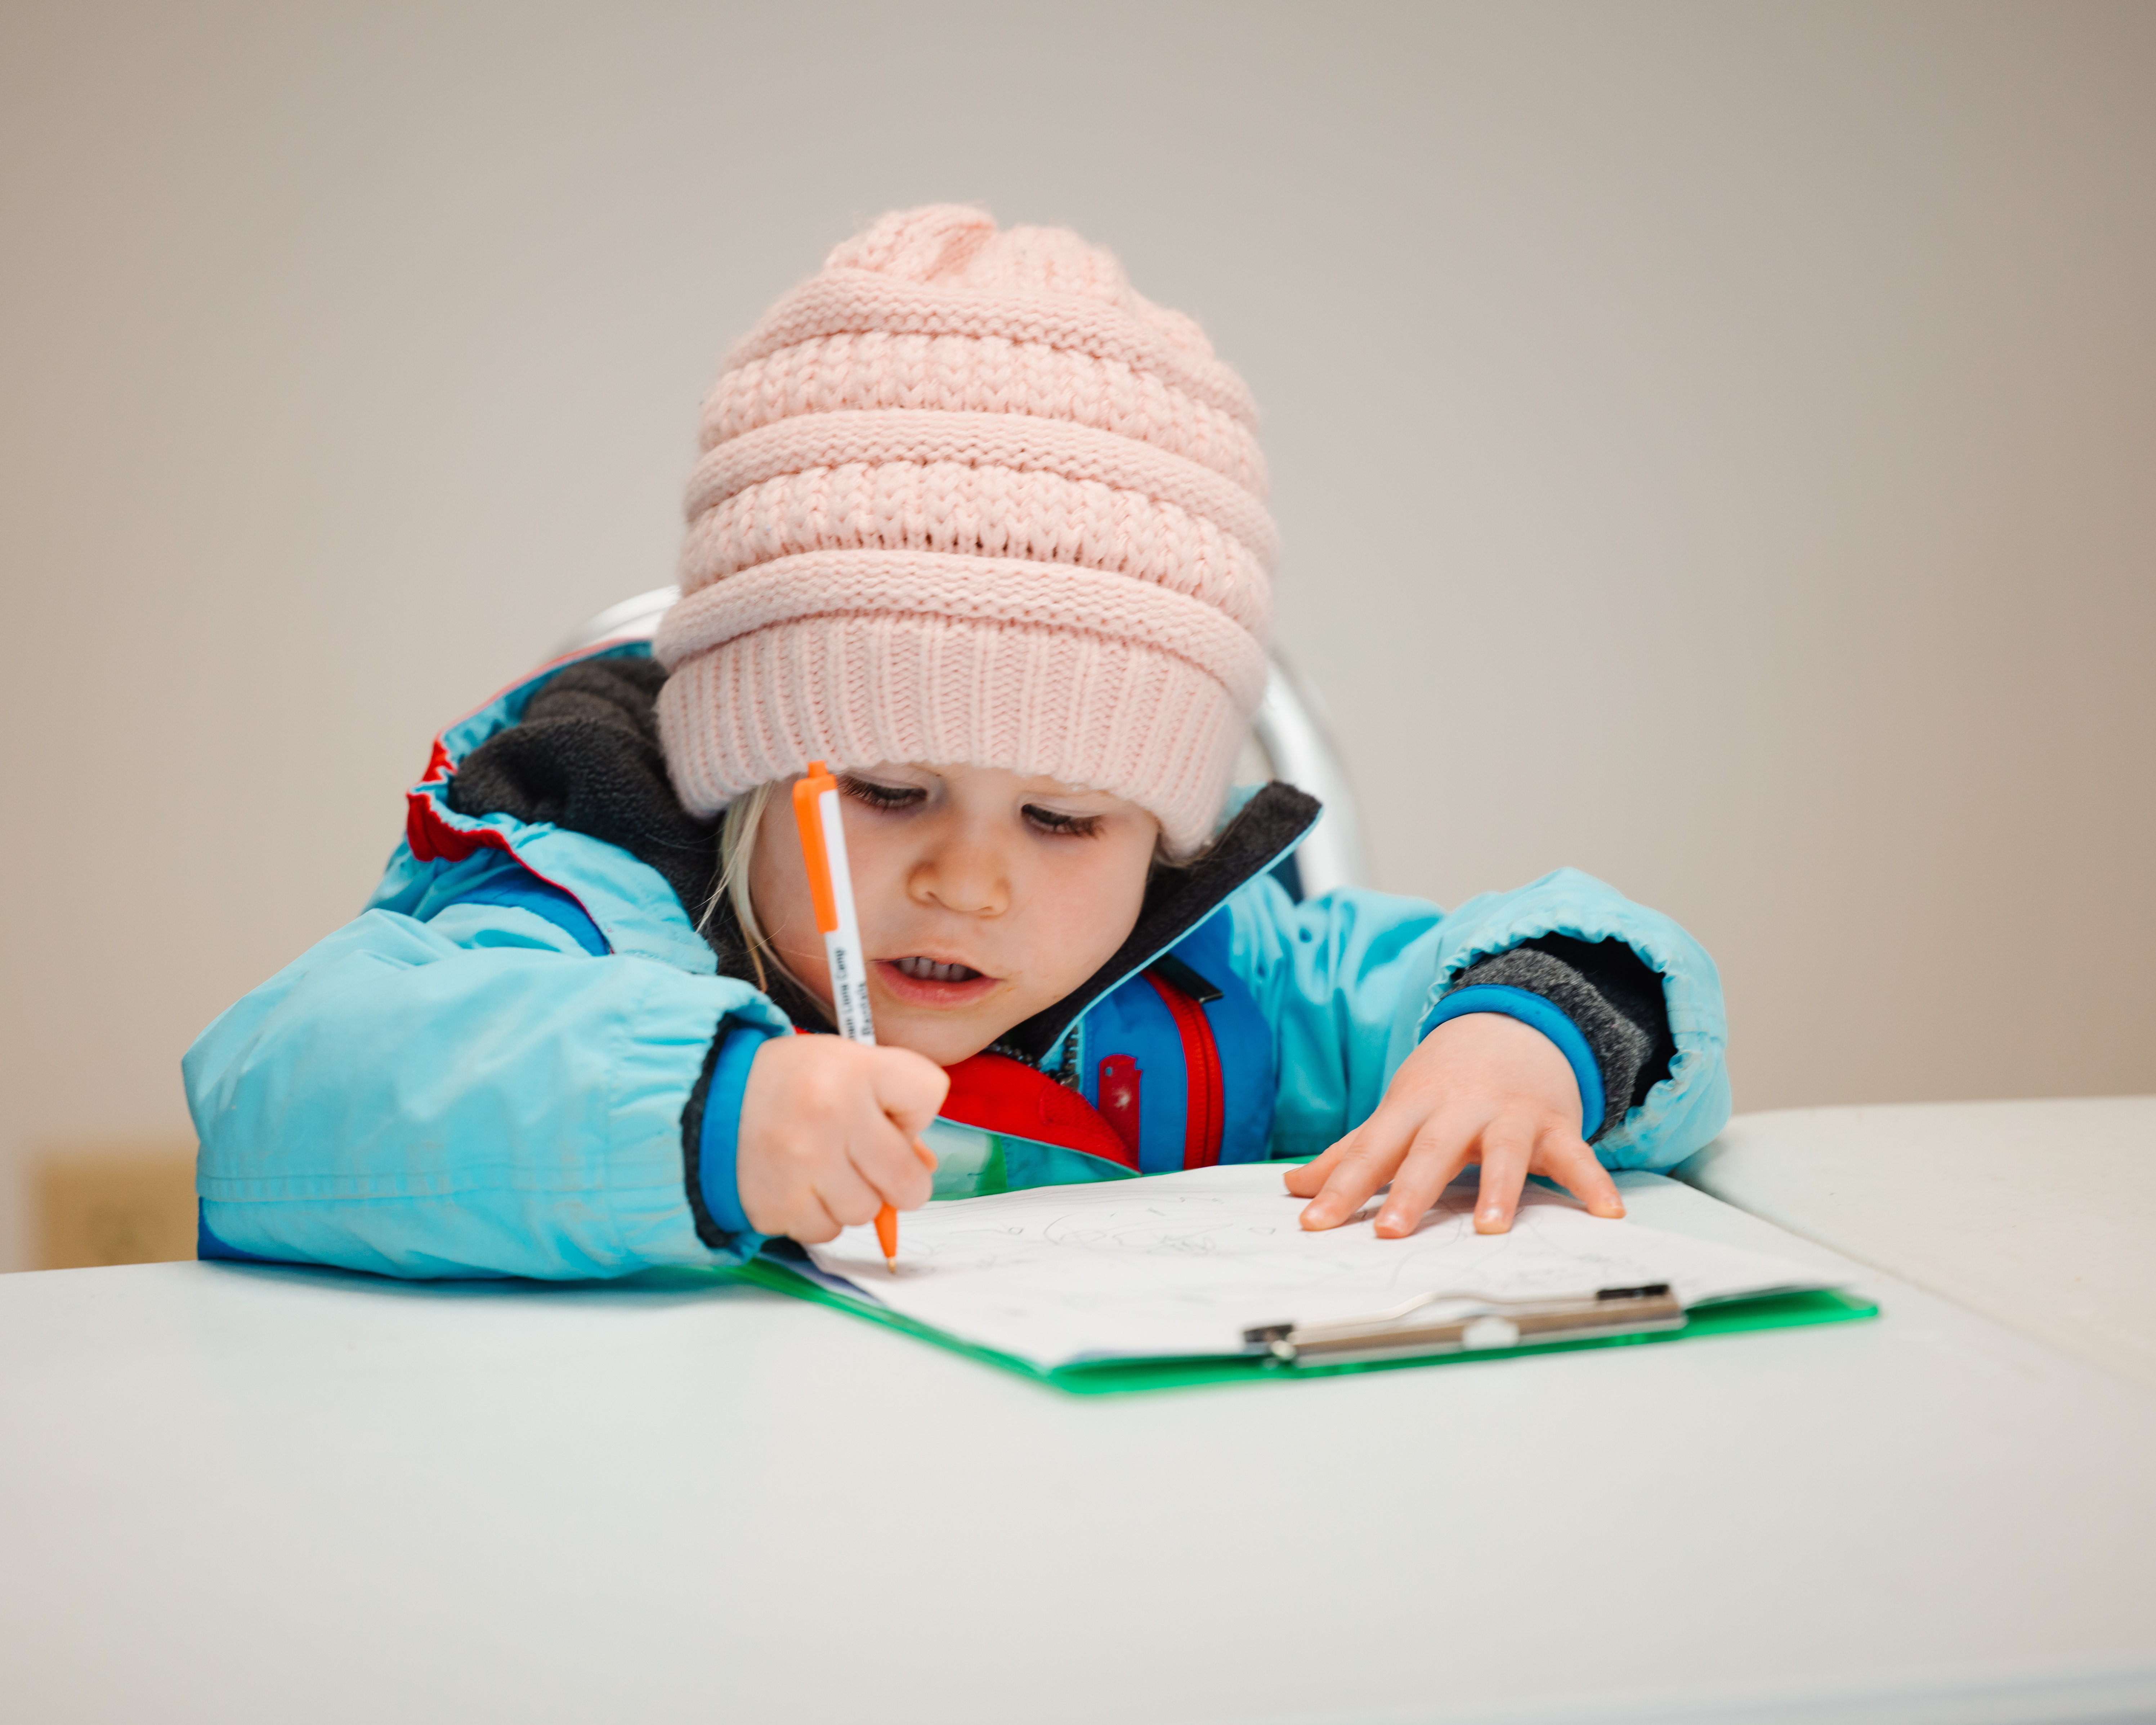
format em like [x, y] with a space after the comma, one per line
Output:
[831, 890]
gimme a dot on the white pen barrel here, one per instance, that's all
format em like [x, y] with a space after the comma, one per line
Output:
[842, 946]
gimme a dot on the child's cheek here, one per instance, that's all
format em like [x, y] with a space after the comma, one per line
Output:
[1087, 905]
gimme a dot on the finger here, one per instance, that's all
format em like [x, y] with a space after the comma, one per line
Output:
[847, 1196]
[1440, 1151]
[1564, 1156]
[812, 1223]
[1507, 1146]
[888, 1164]
[907, 1087]
[1309, 1179]
[1365, 1165]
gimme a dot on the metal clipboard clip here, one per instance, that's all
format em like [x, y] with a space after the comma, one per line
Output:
[1403, 1333]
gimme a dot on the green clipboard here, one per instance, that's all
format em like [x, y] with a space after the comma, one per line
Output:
[1774, 1312]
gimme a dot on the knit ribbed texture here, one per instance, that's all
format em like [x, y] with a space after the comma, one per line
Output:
[966, 497]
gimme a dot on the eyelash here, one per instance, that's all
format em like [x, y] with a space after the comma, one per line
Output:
[883, 796]
[1063, 826]
[894, 796]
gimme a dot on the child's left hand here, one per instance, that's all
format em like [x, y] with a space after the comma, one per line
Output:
[1483, 1088]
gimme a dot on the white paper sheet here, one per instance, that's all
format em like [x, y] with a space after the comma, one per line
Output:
[1183, 1264]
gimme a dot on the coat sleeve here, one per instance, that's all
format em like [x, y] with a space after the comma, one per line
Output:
[1348, 980]
[471, 1095]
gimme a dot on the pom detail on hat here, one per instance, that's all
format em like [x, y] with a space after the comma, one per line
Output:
[967, 496]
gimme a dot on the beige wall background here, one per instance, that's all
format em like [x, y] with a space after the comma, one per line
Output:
[1715, 445]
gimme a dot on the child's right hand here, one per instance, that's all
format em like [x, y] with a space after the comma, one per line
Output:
[827, 1134]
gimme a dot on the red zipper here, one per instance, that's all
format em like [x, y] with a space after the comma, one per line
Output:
[1204, 1110]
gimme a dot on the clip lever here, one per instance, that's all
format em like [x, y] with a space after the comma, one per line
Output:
[1487, 1324]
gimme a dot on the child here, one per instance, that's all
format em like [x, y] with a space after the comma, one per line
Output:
[984, 529]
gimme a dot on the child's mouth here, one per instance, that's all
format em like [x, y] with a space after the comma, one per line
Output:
[927, 982]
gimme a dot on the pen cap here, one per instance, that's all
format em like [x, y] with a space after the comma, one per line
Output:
[809, 816]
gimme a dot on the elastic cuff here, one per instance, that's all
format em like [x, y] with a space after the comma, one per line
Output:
[1539, 1013]
[719, 1141]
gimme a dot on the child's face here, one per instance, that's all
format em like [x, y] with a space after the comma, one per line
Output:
[983, 897]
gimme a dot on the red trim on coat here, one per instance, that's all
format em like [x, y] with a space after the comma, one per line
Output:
[434, 840]
[997, 1094]
[1204, 1113]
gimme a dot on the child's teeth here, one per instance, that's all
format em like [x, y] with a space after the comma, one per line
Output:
[928, 970]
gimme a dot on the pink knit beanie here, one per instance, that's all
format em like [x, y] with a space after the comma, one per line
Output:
[966, 497]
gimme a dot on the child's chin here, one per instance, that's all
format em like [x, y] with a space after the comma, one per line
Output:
[945, 1040]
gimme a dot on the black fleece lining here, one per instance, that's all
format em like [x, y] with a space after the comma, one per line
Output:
[692, 1144]
[585, 757]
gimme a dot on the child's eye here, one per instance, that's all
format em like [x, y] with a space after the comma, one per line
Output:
[1051, 820]
[882, 796]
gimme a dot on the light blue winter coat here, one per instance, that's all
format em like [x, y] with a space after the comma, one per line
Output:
[464, 1081]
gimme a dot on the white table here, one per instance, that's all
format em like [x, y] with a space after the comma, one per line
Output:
[236, 1494]
[2041, 1214]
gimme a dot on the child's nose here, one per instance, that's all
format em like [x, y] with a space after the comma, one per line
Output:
[970, 879]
